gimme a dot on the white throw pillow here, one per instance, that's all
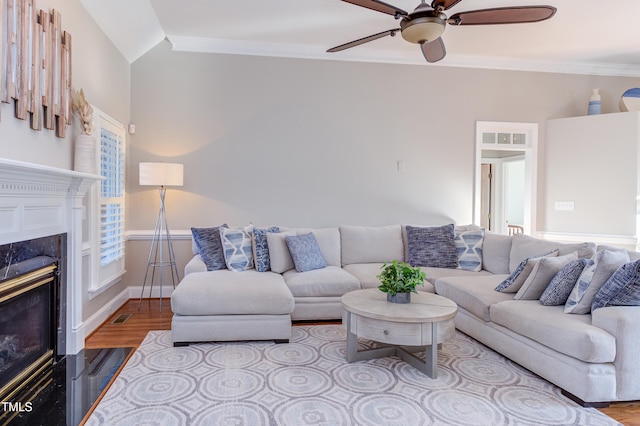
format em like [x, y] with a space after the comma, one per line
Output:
[279, 255]
[542, 273]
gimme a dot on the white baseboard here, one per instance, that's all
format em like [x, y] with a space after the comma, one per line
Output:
[103, 314]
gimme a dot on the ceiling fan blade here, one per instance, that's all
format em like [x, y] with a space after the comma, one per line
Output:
[363, 40]
[434, 50]
[444, 4]
[379, 6]
[503, 15]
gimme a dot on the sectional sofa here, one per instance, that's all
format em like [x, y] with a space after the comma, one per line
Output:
[591, 356]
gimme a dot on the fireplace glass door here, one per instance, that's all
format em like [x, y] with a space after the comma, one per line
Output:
[26, 329]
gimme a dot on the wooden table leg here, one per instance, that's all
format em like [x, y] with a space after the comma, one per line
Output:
[428, 365]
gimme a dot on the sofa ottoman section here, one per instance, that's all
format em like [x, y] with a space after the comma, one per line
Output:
[228, 306]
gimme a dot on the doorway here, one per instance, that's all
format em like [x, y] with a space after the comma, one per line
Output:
[502, 189]
[506, 162]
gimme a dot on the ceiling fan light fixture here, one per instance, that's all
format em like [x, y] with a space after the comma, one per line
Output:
[423, 29]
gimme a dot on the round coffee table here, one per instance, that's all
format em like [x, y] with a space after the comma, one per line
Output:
[405, 328]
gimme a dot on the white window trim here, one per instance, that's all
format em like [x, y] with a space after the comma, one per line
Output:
[102, 277]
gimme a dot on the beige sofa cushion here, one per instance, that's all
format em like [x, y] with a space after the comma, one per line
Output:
[524, 246]
[475, 294]
[496, 250]
[195, 265]
[226, 292]
[434, 274]
[572, 335]
[369, 244]
[329, 281]
[328, 241]
[367, 274]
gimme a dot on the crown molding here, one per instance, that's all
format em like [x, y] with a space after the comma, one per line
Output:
[363, 54]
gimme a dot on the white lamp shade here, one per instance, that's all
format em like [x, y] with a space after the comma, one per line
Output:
[161, 174]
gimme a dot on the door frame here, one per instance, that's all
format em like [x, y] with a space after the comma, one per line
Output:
[530, 150]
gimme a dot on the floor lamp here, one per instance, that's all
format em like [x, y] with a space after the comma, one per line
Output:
[160, 175]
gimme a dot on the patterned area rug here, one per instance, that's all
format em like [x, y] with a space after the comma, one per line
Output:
[308, 382]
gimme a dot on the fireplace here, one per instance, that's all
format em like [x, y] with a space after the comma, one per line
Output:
[42, 216]
[38, 201]
[31, 316]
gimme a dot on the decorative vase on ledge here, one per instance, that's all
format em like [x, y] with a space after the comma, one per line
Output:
[595, 104]
[399, 298]
[85, 154]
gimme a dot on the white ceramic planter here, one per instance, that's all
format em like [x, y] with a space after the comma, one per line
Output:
[85, 154]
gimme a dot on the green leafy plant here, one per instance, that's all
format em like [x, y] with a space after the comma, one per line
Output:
[399, 277]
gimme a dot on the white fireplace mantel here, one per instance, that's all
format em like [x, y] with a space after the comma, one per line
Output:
[38, 201]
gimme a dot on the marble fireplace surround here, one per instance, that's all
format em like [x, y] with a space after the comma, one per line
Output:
[39, 201]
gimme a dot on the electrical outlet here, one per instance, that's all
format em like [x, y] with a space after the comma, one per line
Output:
[564, 206]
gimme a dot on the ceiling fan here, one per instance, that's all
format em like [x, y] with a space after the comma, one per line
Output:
[426, 23]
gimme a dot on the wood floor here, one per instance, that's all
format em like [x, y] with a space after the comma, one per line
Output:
[132, 331]
[148, 317]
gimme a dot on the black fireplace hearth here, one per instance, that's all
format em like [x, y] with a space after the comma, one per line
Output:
[39, 384]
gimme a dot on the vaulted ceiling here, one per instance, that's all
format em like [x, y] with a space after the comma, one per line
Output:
[583, 37]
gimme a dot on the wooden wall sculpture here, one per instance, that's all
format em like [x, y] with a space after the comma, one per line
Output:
[35, 65]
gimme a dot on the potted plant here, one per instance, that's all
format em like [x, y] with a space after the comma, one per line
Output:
[399, 280]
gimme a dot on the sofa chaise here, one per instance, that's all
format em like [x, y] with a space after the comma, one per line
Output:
[589, 355]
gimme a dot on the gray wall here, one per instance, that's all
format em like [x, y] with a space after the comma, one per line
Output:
[315, 143]
[593, 162]
[104, 74]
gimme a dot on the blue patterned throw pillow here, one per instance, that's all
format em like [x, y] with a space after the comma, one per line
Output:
[209, 247]
[261, 248]
[432, 246]
[305, 252]
[621, 289]
[238, 250]
[559, 288]
[514, 281]
[593, 277]
[468, 244]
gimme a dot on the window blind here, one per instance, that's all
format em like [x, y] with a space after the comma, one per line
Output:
[111, 197]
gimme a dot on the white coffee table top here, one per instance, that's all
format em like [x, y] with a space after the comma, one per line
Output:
[424, 307]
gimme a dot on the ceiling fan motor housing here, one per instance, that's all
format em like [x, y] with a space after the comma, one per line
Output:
[423, 26]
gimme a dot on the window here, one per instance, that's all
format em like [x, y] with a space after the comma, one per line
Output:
[111, 197]
[106, 207]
